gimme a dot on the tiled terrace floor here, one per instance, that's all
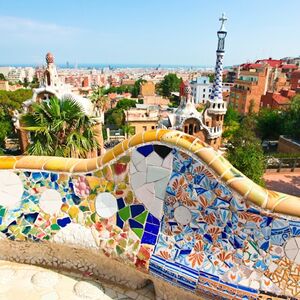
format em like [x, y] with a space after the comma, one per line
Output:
[20, 281]
[285, 182]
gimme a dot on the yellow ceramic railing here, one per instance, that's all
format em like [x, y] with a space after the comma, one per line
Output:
[273, 201]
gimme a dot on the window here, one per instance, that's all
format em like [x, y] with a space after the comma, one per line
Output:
[204, 81]
[152, 127]
[203, 90]
[144, 128]
[203, 95]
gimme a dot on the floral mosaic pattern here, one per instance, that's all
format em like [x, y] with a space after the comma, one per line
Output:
[164, 212]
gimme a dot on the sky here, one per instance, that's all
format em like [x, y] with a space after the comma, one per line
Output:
[178, 32]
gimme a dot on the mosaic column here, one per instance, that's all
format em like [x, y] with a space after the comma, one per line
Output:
[216, 94]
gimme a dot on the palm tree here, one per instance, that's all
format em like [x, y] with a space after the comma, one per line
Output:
[128, 130]
[99, 99]
[59, 128]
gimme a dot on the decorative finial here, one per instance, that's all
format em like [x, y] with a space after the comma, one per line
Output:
[49, 58]
[223, 19]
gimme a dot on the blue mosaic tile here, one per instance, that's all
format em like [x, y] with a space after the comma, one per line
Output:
[121, 203]
[145, 150]
[136, 210]
[152, 228]
[63, 222]
[119, 221]
[148, 238]
[135, 224]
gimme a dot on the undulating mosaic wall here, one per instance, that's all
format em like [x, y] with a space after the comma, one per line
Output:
[161, 209]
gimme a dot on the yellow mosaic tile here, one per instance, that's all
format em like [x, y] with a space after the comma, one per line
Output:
[107, 157]
[150, 136]
[136, 140]
[32, 162]
[257, 194]
[7, 162]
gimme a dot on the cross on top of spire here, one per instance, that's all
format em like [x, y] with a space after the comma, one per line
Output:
[223, 19]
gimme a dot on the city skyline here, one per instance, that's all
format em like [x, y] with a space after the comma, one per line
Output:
[167, 33]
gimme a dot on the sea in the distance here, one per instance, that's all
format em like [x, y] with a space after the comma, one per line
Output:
[117, 66]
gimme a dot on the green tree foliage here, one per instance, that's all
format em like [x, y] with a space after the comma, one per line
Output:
[10, 101]
[126, 103]
[245, 152]
[211, 77]
[231, 122]
[136, 88]
[270, 124]
[119, 89]
[99, 98]
[116, 116]
[128, 130]
[59, 128]
[2, 77]
[169, 84]
[292, 120]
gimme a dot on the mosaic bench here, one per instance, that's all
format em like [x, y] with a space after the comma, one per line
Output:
[161, 206]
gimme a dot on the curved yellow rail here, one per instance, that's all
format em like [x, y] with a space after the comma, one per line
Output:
[273, 201]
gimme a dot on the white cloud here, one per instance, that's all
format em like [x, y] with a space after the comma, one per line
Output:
[13, 26]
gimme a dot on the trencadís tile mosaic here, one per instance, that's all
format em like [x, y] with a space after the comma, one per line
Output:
[164, 212]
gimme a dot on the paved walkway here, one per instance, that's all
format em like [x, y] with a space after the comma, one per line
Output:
[22, 282]
[288, 183]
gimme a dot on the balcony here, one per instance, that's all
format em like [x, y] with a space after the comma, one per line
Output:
[217, 108]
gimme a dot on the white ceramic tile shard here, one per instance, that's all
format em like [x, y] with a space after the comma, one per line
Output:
[160, 187]
[132, 168]
[291, 253]
[137, 180]
[141, 166]
[11, 189]
[182, 215]
[50, 201]
[154, 159]
[297, 258]
[291, 244]
[106, 205]
[136, 157]
[292, 249]
[156, 173]
[146, 195]
[75, 234]
[168, 161]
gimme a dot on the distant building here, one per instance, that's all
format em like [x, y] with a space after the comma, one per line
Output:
[295, 81]
[20, 74]
[4, 86]
[142, 117]
[249, 87]
[147, 89]
[275, 100]
[148, 95]
[201, 89]
[254, 80]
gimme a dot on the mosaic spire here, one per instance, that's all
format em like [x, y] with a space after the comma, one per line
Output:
[216, 94]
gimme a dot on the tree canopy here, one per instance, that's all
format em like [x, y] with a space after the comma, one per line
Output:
[59, 128]
[116, 116]
[245, 151]
[169, 84]
[10, 101]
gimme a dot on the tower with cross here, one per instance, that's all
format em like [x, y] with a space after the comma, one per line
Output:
[216, 107]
